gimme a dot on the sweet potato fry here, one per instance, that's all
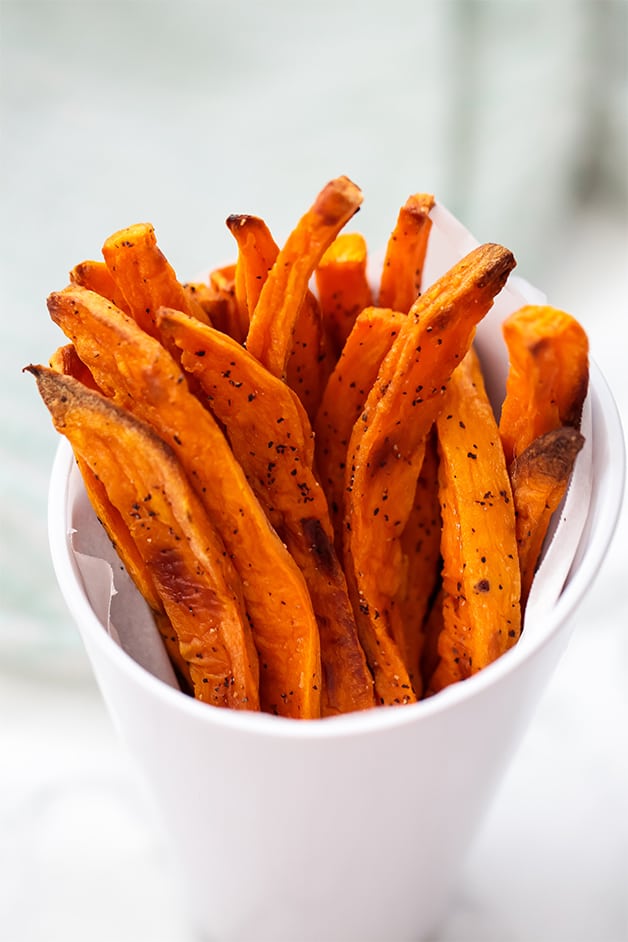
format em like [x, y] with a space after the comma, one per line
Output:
[343, 287]
[273, 321]
[548, 376]
[343, 400]
[271, 438]
[144, 277]
[195, 578]
[481, 583]
[140, 375]
[539, 477]
[66, 360]
[402, 273]
[257, 252]
[96, 277]
[420, 546]
[309, 362]
[387, 447]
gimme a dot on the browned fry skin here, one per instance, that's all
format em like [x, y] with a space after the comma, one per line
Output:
[140, 375]
[194, 576]
[402, 273]
[387, 447]
[420, 546]
[273, 321]
[96, 277]
[65, 360]
[539, 477]
[481, 583]
[144, 277]
[343, 400]
[343, 287]
[548, 376]
[271, 438]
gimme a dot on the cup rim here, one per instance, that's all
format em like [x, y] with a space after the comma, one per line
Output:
[603, 518]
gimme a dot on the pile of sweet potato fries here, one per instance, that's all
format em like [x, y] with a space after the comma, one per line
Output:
[310, 488]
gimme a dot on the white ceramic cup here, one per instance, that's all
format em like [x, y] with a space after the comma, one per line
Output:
[351, 828]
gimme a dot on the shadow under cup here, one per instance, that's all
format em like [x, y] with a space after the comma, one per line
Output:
[349, 828]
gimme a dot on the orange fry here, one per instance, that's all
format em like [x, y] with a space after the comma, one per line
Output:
[96, 277]
[387, 447]
[140, 375]
[345, 394]
[481, 583]
[144, 277]
[195, 578]
[257, 251]
[402, 273]
[420, 546]
[548, 376]
[539, 477]
[342, 286]
[271, 437]
[273, 321]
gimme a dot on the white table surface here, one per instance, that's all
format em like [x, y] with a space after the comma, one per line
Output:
[183, 113]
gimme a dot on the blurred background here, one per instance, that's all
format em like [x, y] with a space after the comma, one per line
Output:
[514, 114]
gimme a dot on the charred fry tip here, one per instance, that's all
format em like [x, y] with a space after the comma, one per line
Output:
[237, 220]
[497, 263]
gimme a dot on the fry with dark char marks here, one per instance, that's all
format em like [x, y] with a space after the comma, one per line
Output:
[481, 583]
[343, 287]
[271, 438]
[196, 581]
[402, 273]
[273, 321]
[65, 360]
[144, 277]
[140, 375]
[540, 476]
[387, 448]
[548, 375]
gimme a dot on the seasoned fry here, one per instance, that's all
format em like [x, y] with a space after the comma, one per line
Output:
[195, 578]
[343, 400]
[96, 277]
[548, 376]
[309, 362]
[140, 375]
[402, 273]
[257, 252]
[539, 477]
[343, 287]
[144, 277]
[65, 360]
[481, 583]
[273, 321]
[420, 546]
[271, 437]
[387, 447]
